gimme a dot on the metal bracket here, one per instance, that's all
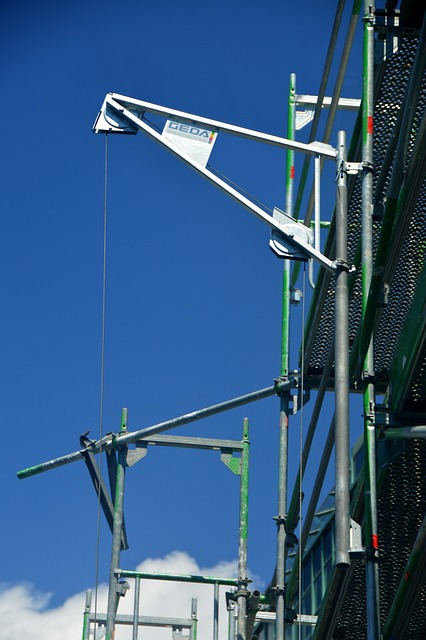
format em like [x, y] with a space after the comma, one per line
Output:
[311, 102]
[134, 455]
[291, 540]
[282, 245]
[353, 168]
[383, 300]
[230, 461]
[122, 588]
[355, 540]
[295, 295]
[289, 615]
[178, 634]
[101, 489]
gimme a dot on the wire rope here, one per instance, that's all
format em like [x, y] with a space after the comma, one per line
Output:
[302, 378]
[102, 373]
[239, 188]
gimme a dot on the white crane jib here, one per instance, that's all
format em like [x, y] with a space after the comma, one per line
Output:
[191, 138]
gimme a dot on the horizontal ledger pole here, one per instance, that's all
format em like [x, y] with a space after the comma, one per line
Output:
[112, 441]
[177, 577]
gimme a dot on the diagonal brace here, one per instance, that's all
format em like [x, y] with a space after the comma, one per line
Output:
[102, 491]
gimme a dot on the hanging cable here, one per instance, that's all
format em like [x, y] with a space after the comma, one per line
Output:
[102, 377]
[239, 188]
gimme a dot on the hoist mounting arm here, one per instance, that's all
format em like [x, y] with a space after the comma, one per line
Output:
[125, 115]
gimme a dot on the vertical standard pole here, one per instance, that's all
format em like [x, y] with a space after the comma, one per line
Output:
[341, 350]
[216, 611]
[136, 608]
[233, 613]
[113, 594]
[86, 619]
[281, 517]
[285, 397]
[370, 479]
[194, 619]
[243, 529]
[289, 186]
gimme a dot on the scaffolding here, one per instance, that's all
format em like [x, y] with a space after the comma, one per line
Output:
[365, 334]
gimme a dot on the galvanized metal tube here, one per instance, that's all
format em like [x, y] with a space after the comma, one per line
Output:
[132, 437]
[86, 618]
[194, 619]
[370, 476]
[281, 519]
[402, 433]
[113, 595]
[241, 615]
[283, 462]
[284, 405]
[317, 216]
[216, 611]
[253, 606]
[367, 176]
[243, 531]
[342, 365]
[136, 608]
[232, 617]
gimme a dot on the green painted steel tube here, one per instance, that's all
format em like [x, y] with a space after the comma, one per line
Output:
[113, 594]
[371, 530]
[291, 128]
[285, 397]
[177, 577]
[242, 592]
[244, 493]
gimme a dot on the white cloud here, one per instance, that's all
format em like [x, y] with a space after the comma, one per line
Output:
[25, 614]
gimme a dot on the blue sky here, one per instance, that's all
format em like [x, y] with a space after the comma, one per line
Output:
[193, 311]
